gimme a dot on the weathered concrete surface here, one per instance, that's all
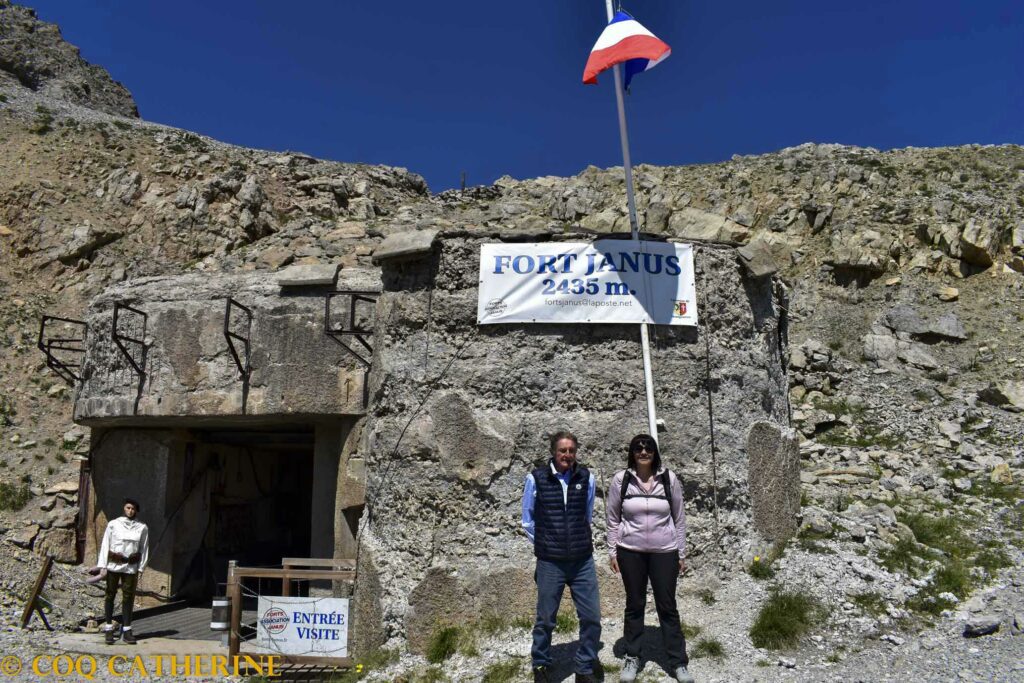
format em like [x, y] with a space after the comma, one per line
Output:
[132, 463]
[189, 370]
[773, 454]
[459, 414]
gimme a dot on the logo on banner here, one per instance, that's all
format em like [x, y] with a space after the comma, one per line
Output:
[678, 309]
[495, 307]
[275, 620]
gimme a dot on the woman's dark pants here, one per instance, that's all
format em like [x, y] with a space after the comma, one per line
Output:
[128, 583]
[662, 569]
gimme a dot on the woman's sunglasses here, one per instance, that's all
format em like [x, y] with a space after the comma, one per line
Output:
[642, 446]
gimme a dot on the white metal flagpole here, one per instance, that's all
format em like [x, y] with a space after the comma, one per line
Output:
[645, 344]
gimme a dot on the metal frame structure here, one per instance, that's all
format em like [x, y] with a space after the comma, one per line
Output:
[120, 339]
[351, 330]
[66, 370]
[244, 368]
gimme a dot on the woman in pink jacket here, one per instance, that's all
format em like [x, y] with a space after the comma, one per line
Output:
[647, 542]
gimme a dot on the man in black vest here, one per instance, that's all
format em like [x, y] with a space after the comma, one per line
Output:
[558, 503]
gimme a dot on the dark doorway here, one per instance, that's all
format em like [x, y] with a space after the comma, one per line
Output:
[257, 505]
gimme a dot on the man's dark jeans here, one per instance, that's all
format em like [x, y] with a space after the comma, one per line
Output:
[581, 578]
[663, 571]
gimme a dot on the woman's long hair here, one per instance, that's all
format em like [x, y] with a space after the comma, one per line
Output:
[655, 462]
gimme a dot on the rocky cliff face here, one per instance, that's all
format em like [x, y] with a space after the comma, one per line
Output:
[904, 270]
[34, 55]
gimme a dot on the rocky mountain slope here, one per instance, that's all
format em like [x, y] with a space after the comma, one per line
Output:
[906, 270]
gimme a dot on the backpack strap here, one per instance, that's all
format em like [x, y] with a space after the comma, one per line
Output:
[666, 485]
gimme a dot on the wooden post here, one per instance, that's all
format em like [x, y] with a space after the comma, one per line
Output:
[234, 591]
[33, 598]
[286, 581]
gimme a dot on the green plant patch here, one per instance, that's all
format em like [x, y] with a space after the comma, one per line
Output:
[566, 623]
[444, 643]
[14, 497]
[43, 122]
[904, 557]
[871, 603]
[708, 647]
[761, 566]
[691, 630]
[523, 621]
[992, 559]
[502, 672]
[953, 578]
[492, 623]
[783, 619]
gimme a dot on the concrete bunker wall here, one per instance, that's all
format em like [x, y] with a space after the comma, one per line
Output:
[167, 438]
[460, 413]
[189, 371]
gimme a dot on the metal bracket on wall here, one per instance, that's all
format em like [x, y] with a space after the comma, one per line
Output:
[63, 354]
[230, 336]
[129, 330]
[353, 325]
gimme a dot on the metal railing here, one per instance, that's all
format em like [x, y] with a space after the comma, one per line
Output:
[63, 354]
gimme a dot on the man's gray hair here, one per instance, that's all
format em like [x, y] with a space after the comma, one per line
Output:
[563, 434]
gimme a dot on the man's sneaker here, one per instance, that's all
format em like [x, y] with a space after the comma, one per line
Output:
[630, 668]
[683, 676]
[584, 678]
[109, 637]
[540, 674]
[129, 637]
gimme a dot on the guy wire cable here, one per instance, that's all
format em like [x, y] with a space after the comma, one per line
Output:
[711, 409]
[371, 499]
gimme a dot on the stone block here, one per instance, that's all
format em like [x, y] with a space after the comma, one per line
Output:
[773, 460]
[405, 245]
[979, 242]
[879, 347]
[757, 258]
[1008, 395]
[694, 224]
[24, 537]
[308, 275]
[57, 542]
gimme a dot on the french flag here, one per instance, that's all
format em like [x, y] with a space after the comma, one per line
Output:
[625, 41]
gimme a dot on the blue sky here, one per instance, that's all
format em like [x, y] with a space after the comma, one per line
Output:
[494, 88]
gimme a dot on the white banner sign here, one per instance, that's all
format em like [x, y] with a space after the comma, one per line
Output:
[303, 626]
[609, 281]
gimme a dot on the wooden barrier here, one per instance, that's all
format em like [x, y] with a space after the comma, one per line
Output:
[292, 569]
[32, 605]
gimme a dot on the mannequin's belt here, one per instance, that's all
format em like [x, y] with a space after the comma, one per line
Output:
[122, 559]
